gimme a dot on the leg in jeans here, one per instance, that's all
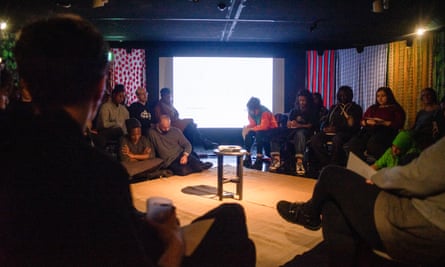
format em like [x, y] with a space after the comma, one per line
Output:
[226, 243]
[300, 141]
[346, 203]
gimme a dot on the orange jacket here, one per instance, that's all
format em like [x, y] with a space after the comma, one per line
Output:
[267, 122]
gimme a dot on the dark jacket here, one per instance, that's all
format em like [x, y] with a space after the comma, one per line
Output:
[62, 202]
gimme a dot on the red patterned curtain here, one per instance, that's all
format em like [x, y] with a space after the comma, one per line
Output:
[321, 75]
[128, 68]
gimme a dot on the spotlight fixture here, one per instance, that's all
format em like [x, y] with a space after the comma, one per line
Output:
[360, 49]
[409, 42]
[420, 31]
[320, 52]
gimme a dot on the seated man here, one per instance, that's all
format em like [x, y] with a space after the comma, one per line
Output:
[399, 211]
[141, 110]
[300, 127]
[174, 149]
[64, 203]
[137, 154]
[343, 121]
[187, 126]
[110, 122]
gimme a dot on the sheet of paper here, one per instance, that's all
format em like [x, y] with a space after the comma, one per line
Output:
[194, 233]
[358, 166]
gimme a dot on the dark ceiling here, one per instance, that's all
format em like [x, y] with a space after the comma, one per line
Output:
[313, 23]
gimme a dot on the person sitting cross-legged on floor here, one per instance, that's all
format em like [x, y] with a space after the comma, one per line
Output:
[187, 125]
[399, 211]
[261, 122]
[174, 149]
[137, 154]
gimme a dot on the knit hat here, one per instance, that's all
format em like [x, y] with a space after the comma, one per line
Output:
[132, 123]
[403, 141]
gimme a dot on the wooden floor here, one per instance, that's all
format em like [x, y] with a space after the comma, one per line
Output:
[276, 240]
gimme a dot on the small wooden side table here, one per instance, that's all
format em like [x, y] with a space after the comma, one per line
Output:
[238, 179]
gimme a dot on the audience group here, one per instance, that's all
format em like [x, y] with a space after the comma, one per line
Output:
[157, 133]
[65, 202]
[315, 136]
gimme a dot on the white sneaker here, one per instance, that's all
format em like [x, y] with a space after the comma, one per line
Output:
[299, 168]
[275, 165]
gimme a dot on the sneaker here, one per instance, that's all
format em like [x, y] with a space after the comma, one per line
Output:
[276, 164]
[299, 168]
[247, 162]
[297, 213]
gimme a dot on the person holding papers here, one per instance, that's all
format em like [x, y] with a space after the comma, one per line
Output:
[380, 124]
[399, 211]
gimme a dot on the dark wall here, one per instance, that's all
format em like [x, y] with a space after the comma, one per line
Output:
[295, 67]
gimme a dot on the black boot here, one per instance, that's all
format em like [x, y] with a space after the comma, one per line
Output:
[247, 161]
[258, 165]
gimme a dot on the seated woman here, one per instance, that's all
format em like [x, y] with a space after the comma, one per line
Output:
[380, 125]
[261, 121]
[429, 125]
[137, 154]
[300, 126]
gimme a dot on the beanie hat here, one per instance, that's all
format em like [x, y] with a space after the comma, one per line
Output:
[403, 141]
[132, 123]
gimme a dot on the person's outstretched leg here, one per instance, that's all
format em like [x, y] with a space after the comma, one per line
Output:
[354, 198]
[227, 242]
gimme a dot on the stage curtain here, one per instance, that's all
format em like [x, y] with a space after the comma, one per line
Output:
[410, 69]
[128, 68]
[439, 64]
[365, 72]
[320, 75]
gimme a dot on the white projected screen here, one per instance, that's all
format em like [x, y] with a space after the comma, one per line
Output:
[214, 91]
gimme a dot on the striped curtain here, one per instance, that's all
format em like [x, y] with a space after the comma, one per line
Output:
[439, 64]
[320, 75]
[410, 69]
[365, 72]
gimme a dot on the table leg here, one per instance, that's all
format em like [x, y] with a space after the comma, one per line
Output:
[220, 177]
[239, 174]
